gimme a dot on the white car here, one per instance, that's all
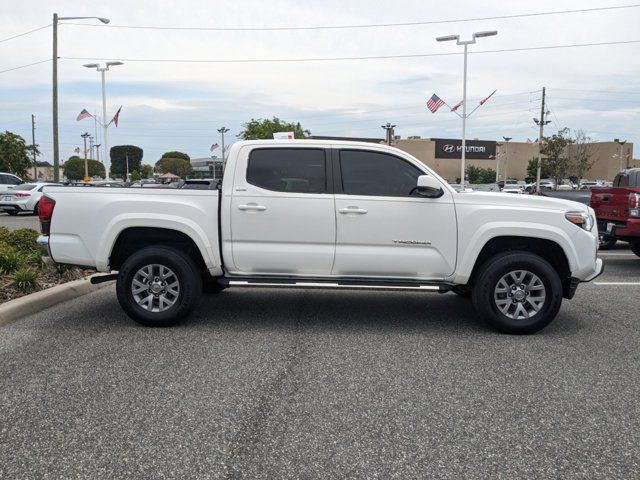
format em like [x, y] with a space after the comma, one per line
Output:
[8, 181]
[309, 213]
[22, 198]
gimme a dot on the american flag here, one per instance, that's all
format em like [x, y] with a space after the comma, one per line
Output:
[487, 98]
[83, 114]
[213, 147]
[77, 149]
[115, 117]
[434, 103]
[456, 106]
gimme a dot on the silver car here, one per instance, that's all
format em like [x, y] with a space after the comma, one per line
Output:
[22, 198]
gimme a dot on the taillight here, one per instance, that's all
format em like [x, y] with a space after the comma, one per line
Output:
[21, 195]
[45, 212]
[634, 205]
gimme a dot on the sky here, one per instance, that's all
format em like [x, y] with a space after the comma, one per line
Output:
[179, 106]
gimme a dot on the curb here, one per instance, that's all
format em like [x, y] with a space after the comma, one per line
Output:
[38, 301]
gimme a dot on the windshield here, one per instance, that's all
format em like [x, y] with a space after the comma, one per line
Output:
[24, 187]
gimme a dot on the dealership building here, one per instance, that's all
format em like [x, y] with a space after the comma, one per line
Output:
[509, 159]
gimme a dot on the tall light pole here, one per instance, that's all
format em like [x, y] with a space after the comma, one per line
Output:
[465, 43]
[105, 125]
[621, 143]
[222, 131]
[84, 136]
[541, 123]
[506, 155]
[56, 145]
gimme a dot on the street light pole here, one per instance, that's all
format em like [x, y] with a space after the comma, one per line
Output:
[105, 125]
[222, 131]
[465, 43]
[621, 143]
[56, 145]
[506, 155]
[542, 122]
[84, 136]
[389, 132]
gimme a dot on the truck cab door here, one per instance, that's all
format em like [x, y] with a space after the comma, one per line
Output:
[282, 212]
[384, 227]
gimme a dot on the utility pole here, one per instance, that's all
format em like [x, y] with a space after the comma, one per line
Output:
[222, 131]
[84, 136]
[506, 155]
[33, 142]
[56, 151]
[542, 123]
[126, 158]
[91, 147]
[389, 132]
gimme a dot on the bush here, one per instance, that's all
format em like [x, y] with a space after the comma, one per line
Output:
[35, 259]
[10, 260]
[25, 278]
[23, 240]
[4, 234]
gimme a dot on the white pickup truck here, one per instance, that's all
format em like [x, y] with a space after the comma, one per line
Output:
[309, 212]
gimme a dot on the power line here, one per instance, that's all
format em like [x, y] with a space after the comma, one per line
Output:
[337, 59]
[370, 25]
[25, 33]
[25, 66]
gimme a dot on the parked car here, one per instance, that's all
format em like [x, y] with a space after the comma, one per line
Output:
[9, 181]
[22, 198]
[359, 214]
[618, 210]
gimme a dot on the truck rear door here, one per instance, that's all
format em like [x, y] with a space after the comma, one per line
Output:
[282, 212]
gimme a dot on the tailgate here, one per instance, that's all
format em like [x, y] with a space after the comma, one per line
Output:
[611, 203]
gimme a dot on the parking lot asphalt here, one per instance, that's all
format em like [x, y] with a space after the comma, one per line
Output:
[285, 383]
[22, 220]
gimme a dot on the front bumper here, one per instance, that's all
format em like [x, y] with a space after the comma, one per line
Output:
[571, 285]
[599, 268]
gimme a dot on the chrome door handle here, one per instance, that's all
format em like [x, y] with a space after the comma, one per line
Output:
[359, 211]
[253, 207]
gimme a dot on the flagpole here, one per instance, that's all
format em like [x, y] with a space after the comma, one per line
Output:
[464, 120]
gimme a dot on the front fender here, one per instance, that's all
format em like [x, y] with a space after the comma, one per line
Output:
[472, 246]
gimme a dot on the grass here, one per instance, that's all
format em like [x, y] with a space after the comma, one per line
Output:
[26, 278]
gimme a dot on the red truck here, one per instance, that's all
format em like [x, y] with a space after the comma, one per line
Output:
[618, 210]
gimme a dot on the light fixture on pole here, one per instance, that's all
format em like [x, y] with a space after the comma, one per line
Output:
[84, 136]
[465, 43]
[222, 131]
[621, 143]
[389, 132]
[105, 125]
[56, 145]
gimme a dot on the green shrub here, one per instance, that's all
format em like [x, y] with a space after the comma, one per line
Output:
[35, 259]
[10, 261]
[25, 278]
[4, 234]
[23, 240]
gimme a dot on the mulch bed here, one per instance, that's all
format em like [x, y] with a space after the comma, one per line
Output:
[48, 277]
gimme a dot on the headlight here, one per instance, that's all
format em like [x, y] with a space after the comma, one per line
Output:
[583, 220]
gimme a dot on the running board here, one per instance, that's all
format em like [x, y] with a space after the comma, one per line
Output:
[336, 283]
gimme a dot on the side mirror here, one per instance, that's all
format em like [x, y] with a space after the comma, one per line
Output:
[429, 187]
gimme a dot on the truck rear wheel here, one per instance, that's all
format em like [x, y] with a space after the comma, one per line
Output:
[158, 286]
[517, 293]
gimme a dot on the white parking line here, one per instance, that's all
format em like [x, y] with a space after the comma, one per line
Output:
[617, 254]
[617, 283]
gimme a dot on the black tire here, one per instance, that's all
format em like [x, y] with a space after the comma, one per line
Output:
[13, 213]
[635, 247]
[499, 266]
[462, 291]
[606, 242]
[183, 269]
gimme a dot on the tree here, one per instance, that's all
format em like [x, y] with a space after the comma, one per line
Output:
[263, 129]
[480, 175]
[15, 154]
[555, 149]
[135, 176]
[74, 168]
[177, 166]
[119, 156]
[176, 154]
[532, 169]
[580, 155]
[146, 171]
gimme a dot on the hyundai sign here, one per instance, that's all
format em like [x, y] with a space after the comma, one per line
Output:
[476, 149]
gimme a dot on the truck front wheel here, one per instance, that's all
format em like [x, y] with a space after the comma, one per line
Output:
[158, 286]
[517, 292]
[635, 247]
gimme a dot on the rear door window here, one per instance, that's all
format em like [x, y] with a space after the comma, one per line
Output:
[292, 170]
